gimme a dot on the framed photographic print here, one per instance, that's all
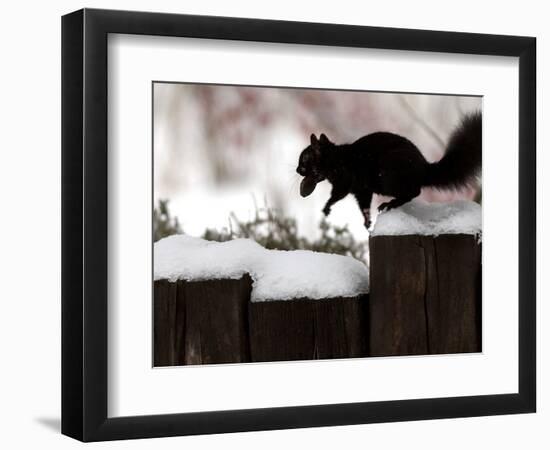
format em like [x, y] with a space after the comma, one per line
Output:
[273, 224]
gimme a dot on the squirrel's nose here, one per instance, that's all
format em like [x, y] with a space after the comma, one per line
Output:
[301, 171]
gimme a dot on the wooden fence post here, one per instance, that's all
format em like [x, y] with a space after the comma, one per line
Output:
[425, 298]
[168, 323]
[305, 329]
[201, 322]
[425, 295]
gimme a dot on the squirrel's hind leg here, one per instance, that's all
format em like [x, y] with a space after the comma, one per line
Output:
[364, 199]
[399, 200]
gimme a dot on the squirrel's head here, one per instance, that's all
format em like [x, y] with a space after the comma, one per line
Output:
[311, 163]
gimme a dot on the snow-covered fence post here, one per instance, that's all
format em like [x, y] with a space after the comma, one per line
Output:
[202, 292]
[305, 329]
[308, 305]
[212, 299]
[425, 276]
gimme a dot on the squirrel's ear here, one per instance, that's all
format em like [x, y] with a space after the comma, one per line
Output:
[313, 139]
[324, 139]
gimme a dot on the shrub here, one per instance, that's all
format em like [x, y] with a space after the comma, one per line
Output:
[163, 223]
[272, 230]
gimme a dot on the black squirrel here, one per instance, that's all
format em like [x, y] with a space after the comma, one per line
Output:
[389, 164]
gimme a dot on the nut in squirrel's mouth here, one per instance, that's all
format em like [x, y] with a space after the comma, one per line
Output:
[307, 186]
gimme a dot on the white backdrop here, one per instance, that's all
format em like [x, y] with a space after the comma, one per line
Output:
[135, 389]
[30, 319]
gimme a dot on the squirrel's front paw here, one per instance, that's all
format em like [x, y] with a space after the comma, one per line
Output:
[326, 210]
[384, 207]
[366, 217]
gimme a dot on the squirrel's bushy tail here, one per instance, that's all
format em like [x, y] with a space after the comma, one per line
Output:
[462, 161]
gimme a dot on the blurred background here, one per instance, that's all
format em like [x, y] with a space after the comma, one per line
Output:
[225, 158]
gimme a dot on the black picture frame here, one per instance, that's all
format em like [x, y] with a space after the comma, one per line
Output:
[84, 224]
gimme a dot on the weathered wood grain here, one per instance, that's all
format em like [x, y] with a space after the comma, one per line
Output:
[169, 323]
[397, 290]
[217, 321]
[425, 295]
[425, 299]
[453, 301]
[201, 322]
[305, 329]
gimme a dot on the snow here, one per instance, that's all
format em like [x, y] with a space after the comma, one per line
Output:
[182, 257]
[276, 274]
[284, 275]
[420, 217]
